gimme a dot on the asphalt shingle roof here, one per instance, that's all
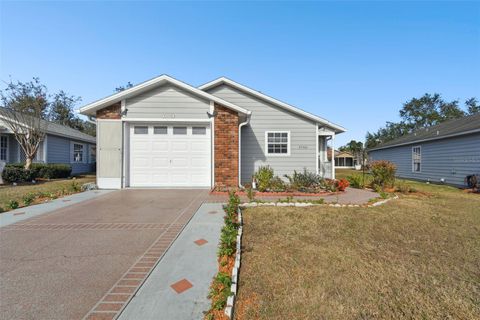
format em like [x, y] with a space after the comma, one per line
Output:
[445, 129]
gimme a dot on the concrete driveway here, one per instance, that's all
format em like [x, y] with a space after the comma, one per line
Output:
[67, 263]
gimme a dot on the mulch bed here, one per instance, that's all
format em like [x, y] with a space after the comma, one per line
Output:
[277, 194]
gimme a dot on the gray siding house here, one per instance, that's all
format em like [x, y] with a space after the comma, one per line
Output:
[445, 153]
[61, 145]
[166, 133]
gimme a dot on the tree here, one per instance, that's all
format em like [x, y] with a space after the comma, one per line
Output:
[121, 88]
[24, 110]
[355, 148]
[428, 110]
[472, 106]
[62, 110]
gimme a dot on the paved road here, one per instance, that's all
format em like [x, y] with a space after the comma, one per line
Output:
[86, 260]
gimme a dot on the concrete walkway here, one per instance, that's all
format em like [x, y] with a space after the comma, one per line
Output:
[21, 214]
[178, 286]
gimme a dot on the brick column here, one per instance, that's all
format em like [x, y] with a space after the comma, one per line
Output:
[226, 147]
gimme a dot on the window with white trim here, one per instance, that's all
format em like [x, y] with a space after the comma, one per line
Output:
[277, 143]
[93, 154]
[416, 159]
[78, 153]
[3, 148]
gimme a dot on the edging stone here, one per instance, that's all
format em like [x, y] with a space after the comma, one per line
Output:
[229, 309]
[310, 204]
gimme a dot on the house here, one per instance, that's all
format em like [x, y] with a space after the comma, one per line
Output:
[166, 133]
[444, 153]
[343, 159]
[62, 144]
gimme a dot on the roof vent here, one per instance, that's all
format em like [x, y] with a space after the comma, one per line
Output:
[438, 132]
[415, 134]
[426, 129]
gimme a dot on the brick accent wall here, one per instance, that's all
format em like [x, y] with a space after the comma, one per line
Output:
[226, 147]
[110, 112]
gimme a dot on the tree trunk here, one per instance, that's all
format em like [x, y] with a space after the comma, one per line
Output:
[28, 163]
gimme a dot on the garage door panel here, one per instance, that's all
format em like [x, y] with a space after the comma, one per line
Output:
[160, 145]
[160, 162]
[163, 160]
[202, 146]
[179, 146]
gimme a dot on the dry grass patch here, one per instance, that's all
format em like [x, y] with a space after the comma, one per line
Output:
[417, 257]
[9, 192]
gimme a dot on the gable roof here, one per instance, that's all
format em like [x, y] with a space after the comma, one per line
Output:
[91, 108]
[278, 103]
[64, 131]
[447, 129]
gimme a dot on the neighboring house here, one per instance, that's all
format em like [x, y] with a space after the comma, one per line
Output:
[343, 159]
[166, 133]
[61, 145]
[445, 153]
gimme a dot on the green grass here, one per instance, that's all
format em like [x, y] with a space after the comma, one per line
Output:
[417, 257]
[10, 193]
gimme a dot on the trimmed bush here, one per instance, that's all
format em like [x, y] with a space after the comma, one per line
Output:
[15, 172]
[383, 173]
[263, 177]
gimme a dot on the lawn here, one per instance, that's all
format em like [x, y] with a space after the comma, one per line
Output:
[416, 257]
[17, 193]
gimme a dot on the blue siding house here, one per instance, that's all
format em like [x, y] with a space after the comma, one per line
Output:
[445, 153]
[62, 144]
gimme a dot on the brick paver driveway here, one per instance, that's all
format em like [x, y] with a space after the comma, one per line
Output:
[86, 260]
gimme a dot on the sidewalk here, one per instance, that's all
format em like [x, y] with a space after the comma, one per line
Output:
[178, 286]
[20, 214]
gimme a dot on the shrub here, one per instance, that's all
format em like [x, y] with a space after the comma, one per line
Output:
[342, 184]
[383, 173]
[28, 199]
[277, 185]
[329, 185]
[263, 177]
[54, 171]
[303, 181]
[15, 172]
[12, 204]
[404, 187]
[356, 181]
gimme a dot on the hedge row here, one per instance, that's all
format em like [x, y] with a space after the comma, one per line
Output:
[15, 172]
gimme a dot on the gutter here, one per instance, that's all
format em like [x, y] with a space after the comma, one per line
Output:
[240, 148]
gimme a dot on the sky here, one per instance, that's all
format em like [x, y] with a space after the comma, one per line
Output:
[353, 63]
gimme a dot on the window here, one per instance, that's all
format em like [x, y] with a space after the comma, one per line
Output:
[140, 130]
[160, 130]
[416, 159]
[93, 154]
[277, 143]
[78, 150]
[180, 130]
[3, 148]
[199, 130]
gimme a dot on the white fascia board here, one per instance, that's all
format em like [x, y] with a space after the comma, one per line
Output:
[221, 80]
[89, 109]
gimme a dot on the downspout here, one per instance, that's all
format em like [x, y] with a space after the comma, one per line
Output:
[240, 148]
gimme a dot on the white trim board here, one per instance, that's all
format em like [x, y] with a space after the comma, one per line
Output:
[90, 109]
[238, 86]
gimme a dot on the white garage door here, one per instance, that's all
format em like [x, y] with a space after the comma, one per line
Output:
[170, 155]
